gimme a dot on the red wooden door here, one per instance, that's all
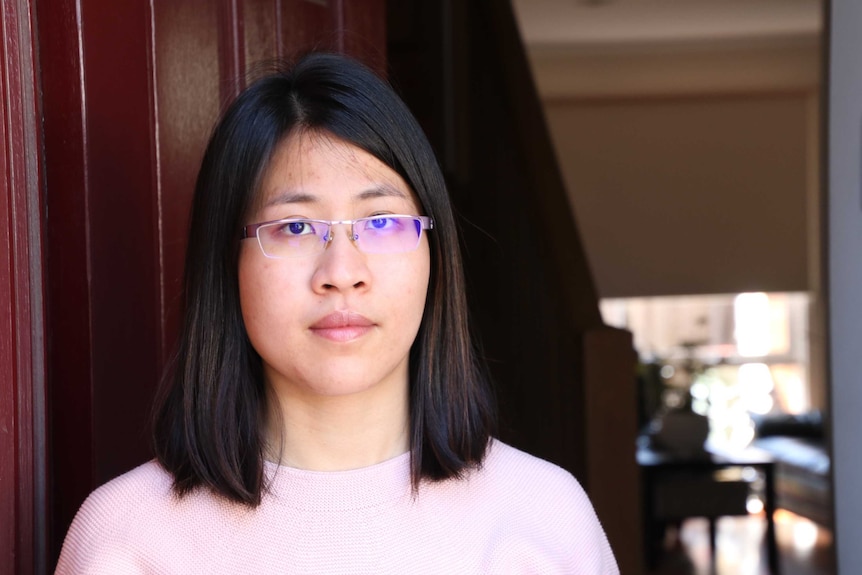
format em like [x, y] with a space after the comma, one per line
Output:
[130, 92]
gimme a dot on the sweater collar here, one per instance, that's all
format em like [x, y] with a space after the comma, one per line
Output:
[339, 490]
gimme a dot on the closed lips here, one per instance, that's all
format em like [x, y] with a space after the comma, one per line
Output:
[342, 326]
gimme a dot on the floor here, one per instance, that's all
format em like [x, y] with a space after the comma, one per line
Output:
[804, 547]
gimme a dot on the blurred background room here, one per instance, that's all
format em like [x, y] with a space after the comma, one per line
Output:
[688, 134]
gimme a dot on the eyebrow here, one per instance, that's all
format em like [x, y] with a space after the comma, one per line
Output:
[378, 191]
[291, 198]
[382, 191]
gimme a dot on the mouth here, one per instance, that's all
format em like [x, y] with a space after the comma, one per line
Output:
[342, 326]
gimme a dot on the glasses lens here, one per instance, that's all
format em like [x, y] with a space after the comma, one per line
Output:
[292, 238]
[387, 234]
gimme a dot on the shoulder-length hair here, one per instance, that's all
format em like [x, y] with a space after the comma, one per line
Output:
[207, 419]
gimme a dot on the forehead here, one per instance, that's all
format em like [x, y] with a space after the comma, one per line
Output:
[318, 168]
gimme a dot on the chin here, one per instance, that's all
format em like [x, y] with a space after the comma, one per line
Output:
[337, 384]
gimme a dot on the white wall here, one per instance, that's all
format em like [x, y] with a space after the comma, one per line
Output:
[844, 261]
[688, 195]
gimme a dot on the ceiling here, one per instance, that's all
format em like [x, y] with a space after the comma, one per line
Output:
[602, 24]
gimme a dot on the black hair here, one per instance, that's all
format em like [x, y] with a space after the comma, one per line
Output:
[207, 419]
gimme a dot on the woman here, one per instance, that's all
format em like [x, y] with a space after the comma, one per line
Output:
[327, 413]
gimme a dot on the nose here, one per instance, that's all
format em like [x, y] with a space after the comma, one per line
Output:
[341, 266]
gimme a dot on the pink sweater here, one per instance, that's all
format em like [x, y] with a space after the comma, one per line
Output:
[518, 514]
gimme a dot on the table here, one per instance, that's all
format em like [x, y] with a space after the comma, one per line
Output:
[677, 487]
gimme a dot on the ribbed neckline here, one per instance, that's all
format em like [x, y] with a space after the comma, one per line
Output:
[340, 490]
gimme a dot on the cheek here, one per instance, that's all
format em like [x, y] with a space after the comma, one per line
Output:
[413, 288]
[264, 296]
[250, 301]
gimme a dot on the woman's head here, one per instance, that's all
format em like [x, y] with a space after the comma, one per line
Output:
[332, 309]
[208, 421]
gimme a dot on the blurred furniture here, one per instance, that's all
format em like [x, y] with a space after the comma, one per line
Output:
[680, 432]
[712, 485]
[802, 463]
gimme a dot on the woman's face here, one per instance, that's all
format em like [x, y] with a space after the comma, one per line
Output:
[338, 321]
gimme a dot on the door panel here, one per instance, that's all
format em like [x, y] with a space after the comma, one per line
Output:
[191, 79]
[262, 38]
[310, 24]
[99, 153]
[70, 362]
[364, 34]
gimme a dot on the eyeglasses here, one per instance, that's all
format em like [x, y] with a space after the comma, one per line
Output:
[385, 234]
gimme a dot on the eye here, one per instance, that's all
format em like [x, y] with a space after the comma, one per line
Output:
[380, 223]
[297, 228]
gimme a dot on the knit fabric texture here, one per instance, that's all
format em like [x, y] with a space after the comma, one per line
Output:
[517, 514]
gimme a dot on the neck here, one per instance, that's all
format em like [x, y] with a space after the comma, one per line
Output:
[337, 433]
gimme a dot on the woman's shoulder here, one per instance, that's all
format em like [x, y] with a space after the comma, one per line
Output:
[146, 488]
[111, 516]
[147, 480]
[509, 466]
[539, 501]
[534, 488]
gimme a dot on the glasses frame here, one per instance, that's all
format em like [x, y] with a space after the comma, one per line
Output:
[250, 231]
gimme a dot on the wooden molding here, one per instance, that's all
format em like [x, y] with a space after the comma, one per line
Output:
[23, 517]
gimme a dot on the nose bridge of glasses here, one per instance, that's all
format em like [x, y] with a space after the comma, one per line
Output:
[331, 224]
